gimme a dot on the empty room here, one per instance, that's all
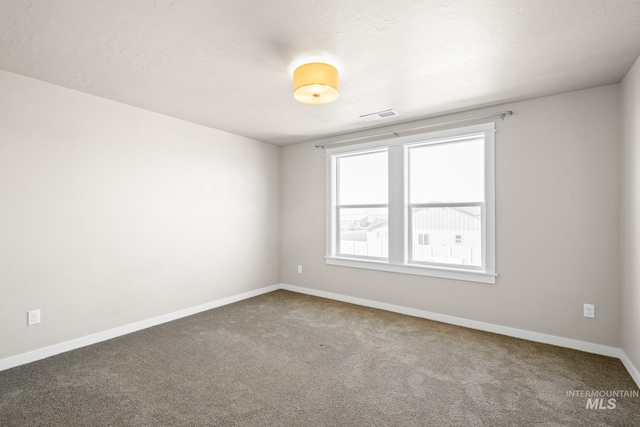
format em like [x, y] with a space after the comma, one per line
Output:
[319, 213]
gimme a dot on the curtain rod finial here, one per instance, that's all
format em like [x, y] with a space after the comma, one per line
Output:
[506, 114]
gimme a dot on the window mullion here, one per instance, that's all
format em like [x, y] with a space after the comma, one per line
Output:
[397, 215]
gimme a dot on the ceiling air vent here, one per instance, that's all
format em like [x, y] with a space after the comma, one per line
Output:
[379, 115]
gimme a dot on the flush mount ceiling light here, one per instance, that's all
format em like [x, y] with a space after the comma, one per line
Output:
[315, 83]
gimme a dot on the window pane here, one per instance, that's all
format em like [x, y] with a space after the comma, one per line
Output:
[448, 172]
[364, 232]
[363, 179]
[455, 235]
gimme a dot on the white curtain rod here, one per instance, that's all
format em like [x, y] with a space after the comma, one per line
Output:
[501, 114]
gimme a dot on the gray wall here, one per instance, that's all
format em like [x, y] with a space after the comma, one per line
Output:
[631, 215]
[558, 234]
[111, 214]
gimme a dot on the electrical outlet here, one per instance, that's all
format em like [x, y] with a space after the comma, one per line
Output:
[300, 269]
[589, 310]
[33, 317]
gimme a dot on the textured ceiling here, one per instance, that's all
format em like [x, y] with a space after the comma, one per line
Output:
[228, 64]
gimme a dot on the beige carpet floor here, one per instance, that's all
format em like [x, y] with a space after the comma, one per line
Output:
[284, 359]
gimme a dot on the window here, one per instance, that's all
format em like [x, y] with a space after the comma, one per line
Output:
[420, 204]
[362, 205]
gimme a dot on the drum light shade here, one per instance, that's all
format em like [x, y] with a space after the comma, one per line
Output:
[315, 83]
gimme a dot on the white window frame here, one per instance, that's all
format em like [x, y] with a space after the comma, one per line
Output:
[398, 207]
[338, 207]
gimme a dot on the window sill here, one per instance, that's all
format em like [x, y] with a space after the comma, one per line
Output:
[446, 273]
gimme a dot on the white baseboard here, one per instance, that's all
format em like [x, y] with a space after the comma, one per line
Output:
[459, 321]
[45, 352]
[633, 371]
